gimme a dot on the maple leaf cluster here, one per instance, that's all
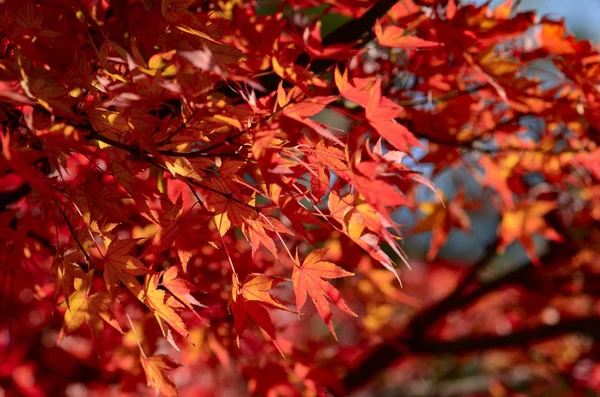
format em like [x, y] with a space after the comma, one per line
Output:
[179, 177]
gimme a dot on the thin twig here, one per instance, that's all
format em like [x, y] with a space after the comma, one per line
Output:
[72, 231]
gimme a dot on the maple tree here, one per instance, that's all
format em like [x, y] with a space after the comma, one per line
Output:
[179, 177]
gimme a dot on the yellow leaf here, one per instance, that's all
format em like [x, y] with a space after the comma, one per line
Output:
[182, 166]
[91, 309]
[67, 270]
[256, 288]
[521, 223]
[156, 368]
[277, 68]
[121, 267]
[196, 32]
[106, 121]
[228, 120]
[163, 304]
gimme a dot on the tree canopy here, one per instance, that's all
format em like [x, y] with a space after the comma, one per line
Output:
[224, 197]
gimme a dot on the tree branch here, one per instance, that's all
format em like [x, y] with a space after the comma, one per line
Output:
[7, 198]
[586, 325]
[385, 355]
[136, 151]
[354, 30]
[429, 316]
[415, 340]
[72, 231]
[443, 98]
[476, 146]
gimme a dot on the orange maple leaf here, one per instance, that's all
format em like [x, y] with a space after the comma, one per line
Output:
[180, 288]
[552, 38]
[119, 266]
[521, 223]
[393, 36]
[441, 219]
[497, 173]
[92, 309]
[156, 368]
[359, 226]
[173, 229]
[308, 278]
[250, 299]
[163, 306]
[67, 271]
[381, 113]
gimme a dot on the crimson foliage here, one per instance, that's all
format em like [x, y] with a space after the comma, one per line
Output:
[179, 178]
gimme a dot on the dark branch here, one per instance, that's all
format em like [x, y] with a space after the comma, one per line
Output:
[354, 30]
[7, 198]
[72, 231]
[429, 316]
[385, 355]
[415, 340]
